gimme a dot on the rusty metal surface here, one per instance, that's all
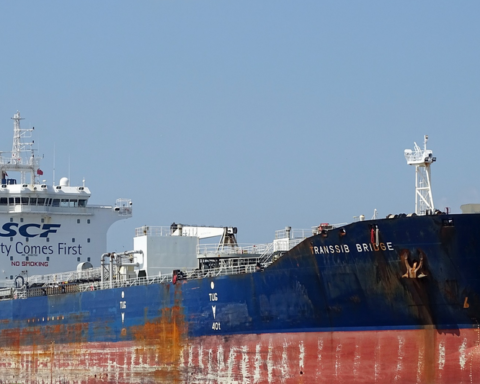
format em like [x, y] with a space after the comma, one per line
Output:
[335, 309]
[160, 354]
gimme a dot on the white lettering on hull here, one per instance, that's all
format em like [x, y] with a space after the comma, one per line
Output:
[326, 249]
[344, 248]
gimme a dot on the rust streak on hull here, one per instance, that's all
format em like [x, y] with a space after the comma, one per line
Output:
[161, 353]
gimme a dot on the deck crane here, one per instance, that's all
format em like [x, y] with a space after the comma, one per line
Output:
[227, 234]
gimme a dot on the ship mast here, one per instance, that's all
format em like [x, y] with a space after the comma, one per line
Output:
[17, 163]
[422, 159]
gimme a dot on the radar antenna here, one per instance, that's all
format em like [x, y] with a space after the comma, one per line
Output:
[422, 159]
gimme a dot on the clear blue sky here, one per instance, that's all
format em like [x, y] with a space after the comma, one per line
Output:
[255, 114]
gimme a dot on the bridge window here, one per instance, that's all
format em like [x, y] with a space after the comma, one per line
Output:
[3, 201]
[24, 200]
[33, 201]
[82, 203]
[56, 203]
[41, 201]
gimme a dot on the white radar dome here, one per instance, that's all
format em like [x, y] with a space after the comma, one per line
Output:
[64, 182]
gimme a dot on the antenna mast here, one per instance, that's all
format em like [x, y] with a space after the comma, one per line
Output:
[18, 134]
[17, 162]
[422, 159]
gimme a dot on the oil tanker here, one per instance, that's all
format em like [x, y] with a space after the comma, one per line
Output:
[373, 301]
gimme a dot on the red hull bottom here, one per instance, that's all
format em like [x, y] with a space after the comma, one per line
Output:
[418, 356]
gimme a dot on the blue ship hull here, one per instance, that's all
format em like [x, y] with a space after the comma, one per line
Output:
[347, 286]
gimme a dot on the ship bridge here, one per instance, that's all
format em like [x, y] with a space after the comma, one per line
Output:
[47, 228]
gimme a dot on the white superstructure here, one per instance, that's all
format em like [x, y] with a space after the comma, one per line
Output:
[161, 250]
[47, 228]
[422, 159]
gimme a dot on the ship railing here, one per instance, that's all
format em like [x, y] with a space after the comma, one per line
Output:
[6, 293]
[55, 278]
[13, 293]
[209, 250]
[222, 271]
[326, 226]
[119, 283]
[123, 207]
[20, 293]
[233, 266]
[293, 233]
[148, 230]
[267, 254]
[7, 283]
[19, 163]
[418, 155]
[44, 208]
[304, 233]
[283, 245]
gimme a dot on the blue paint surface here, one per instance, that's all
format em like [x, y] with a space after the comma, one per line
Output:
[303, 291]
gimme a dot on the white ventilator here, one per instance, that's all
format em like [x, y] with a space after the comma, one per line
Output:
[422, 159]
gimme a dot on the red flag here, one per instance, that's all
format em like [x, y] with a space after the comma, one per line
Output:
[39, 172]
